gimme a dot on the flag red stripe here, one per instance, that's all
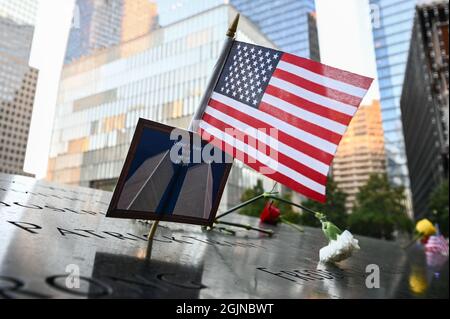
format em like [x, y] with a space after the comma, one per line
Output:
[269, 151]
[328, 71]
[309, 106]
[317, 88]
[287, 139]
[256, 165]
[301, 124]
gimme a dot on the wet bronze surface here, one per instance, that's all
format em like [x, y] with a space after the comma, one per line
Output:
[47, 231]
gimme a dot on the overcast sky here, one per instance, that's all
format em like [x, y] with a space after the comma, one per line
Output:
[344, 35]
[345, 38]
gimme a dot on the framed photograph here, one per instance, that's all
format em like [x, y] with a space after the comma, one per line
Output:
[168, 175]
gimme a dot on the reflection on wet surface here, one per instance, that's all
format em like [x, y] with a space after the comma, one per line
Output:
[48, 233]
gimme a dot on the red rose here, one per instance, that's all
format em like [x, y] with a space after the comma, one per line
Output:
[270, 214]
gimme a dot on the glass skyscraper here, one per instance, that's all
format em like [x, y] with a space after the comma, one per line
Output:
[392, 35]
[160, 77]
[425, 103]
[100, 24]
[288, 23]
[95, 25]
[285, 22]
[17, 82]
[20, 11]
[170, 11]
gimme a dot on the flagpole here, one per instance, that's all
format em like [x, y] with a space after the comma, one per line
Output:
[215, 74]
[193, 126]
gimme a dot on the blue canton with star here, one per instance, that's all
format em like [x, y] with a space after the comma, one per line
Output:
[247, 72]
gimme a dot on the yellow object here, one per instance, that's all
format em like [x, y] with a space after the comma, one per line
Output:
[425, 227]
[418, 281]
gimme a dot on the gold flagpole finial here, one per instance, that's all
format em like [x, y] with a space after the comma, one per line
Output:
[233, 27]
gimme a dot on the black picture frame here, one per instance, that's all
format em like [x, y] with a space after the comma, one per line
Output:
[115, 212]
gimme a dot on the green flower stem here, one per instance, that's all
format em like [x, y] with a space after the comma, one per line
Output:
[251, 200]
[297, 227]
[330, 230]
[247, 227]
[306, 209]
[225, 230]
[271, 195]
[416, 238]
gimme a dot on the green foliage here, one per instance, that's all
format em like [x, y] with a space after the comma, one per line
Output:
[439, 207]
[286, 210]
[255, 208]
[379, 209]
[333, 208]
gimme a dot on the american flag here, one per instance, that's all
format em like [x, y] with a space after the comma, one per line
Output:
[287, 114]
[437, 244]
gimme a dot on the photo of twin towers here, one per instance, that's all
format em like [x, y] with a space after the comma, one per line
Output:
[152, 182]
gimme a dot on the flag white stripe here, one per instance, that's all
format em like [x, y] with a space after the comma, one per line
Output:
[277, 123]
[313, 97]
[321, 79]
[303, 114]
[262, 158]
[270, 141]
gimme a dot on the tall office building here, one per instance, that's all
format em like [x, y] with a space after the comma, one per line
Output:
[361, 152]
[290, 24]
[171, 11]
[20, 11]
[160, 76]
[392, 35]
[17, 82]
[139, 18]
[286, 22]
[425, 102]
[100, 24]
[313, 37]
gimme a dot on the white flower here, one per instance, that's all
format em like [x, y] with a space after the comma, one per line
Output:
[339, 249]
